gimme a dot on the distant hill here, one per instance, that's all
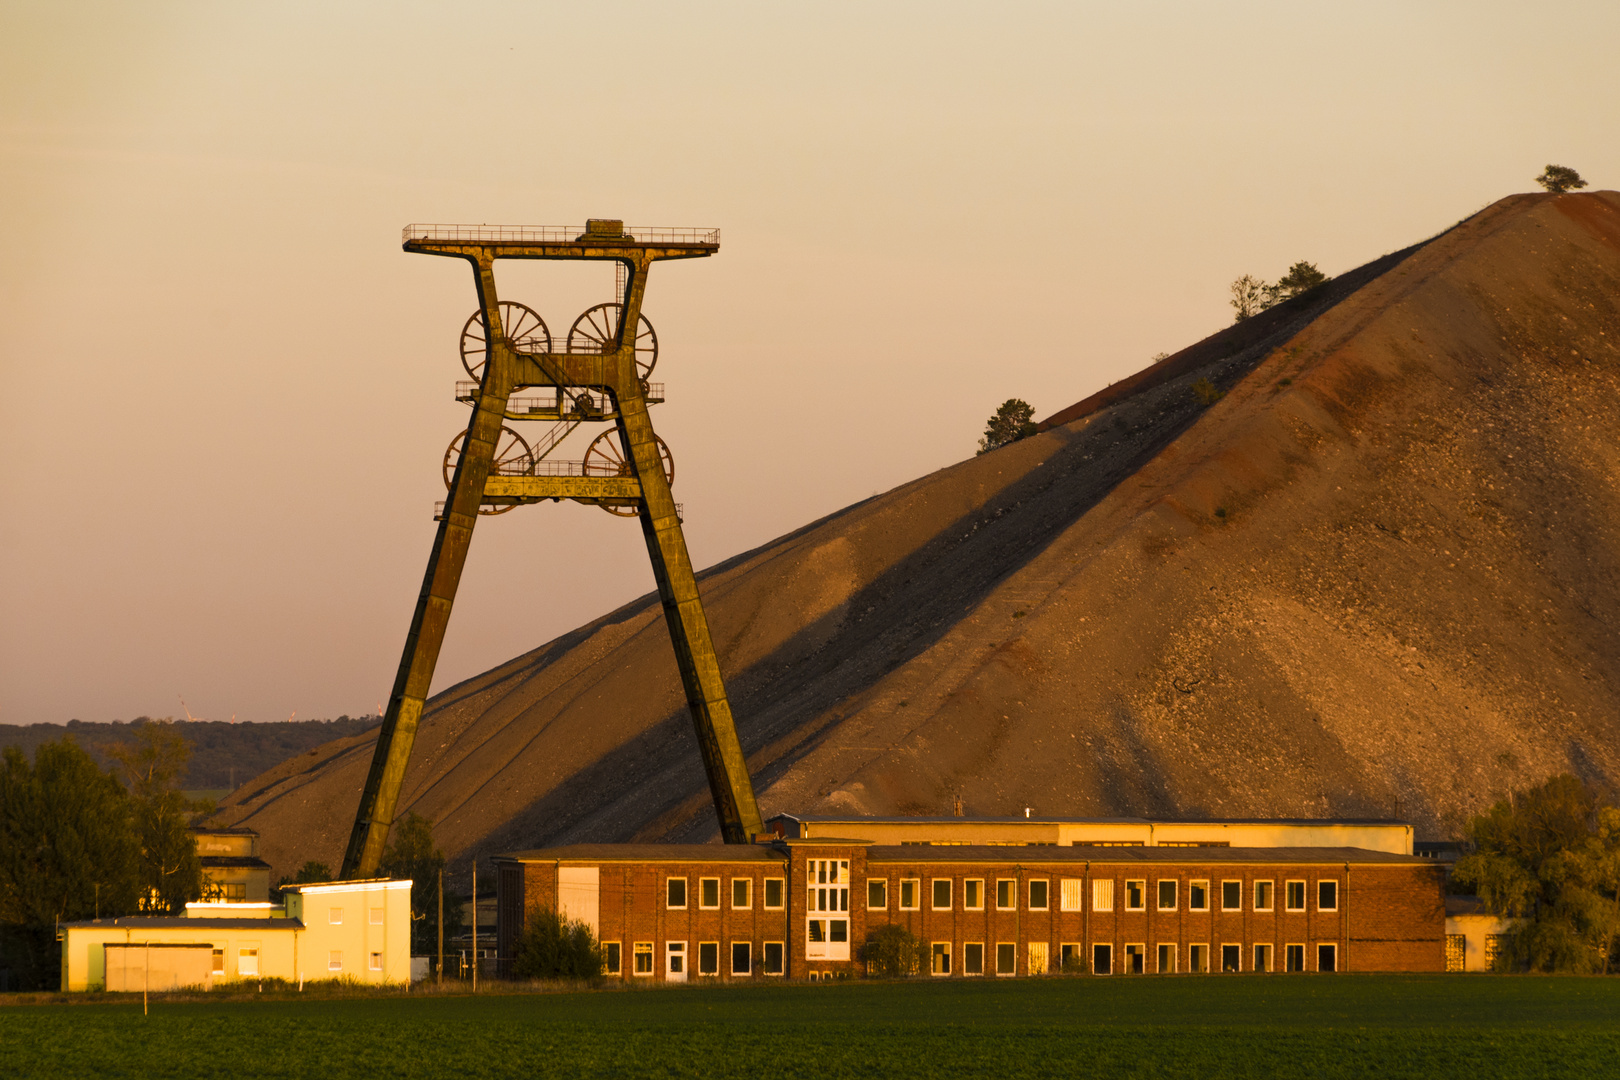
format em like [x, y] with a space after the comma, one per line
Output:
[1380, 575]
[223, 755]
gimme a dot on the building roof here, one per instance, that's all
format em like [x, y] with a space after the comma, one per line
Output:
[734, 853]
[180, 922]
[1114, 856]
[365, 884]
[840, 819]
[222, 862]
[234, 830]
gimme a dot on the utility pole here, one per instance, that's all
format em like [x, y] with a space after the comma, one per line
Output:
[475, 925]
[441, 926]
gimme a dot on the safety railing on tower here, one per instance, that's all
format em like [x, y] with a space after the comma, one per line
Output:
[554, 234]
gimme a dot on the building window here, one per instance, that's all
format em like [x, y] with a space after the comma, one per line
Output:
[1007, 958]
[1495, 947]
[1039, 900]
[1135, 959]
[334, 960]
[829, 885]
[1231, 896]
[973, 958]
[675, 958]
[1327, 958]
[827, 939]
[708, 893]
[219, 962]
[334, 916]
[1167, 895]
[877, 893]
[1456, 952]
[1102, 894]
[1198, 959]
[942, 894]
[973, 894]
[643, 957]
[742, 958]
[909, 890]
[1294, 956]
[742, 892]
[675, 892]
[376, 916]
[1295, 895]
[772, 958]
[709, 952]
[1262, 895]
[376, 961]
[1231, 958]
[1197, 896]
[1327, 896]
[1102, 959]
[610, 957]
[1037, 958]
[1135, 895]
[1006, 893]
[1072, 958]
[247, 962]
[1167, 960]
[1071, 893]
[941, 964]
[1262, 958]
[774, 892]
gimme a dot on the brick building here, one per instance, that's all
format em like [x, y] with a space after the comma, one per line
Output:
[802, 908]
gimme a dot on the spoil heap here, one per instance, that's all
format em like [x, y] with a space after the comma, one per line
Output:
[1382, 573]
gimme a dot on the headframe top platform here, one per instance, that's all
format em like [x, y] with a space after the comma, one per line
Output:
[598, 238]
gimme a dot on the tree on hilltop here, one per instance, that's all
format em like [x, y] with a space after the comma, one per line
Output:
[1301, 278]
[1014, 420]
[1560, 179]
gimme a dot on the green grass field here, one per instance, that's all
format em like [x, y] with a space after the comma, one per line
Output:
[1299, 1027]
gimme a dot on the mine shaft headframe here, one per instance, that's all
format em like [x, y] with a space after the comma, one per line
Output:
[525, 355]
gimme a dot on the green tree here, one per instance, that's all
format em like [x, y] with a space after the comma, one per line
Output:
[411, 854]
[1249, 297]
[153, 764]
[893, 952]
[553, 947]
[1014, 420]
[1302, 277]
[310, 873]
[1560, 179]
[1550, 856]
[68, 851]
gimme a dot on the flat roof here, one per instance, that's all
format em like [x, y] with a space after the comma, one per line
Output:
[737, 853]
[1111, 856]
[218, 862]
[827, 819]
[180, 922]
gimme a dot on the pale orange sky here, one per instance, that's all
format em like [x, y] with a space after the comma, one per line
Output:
[227, 391]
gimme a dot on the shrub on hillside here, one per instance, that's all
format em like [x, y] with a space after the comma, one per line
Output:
[1014, 420]
[553, 947]
[1559, 179]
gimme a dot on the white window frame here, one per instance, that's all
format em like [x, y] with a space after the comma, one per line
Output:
[1141, 951]
[334, 960]
[936, 950]
[781, 892]
[1271, 887]
[916, 894]
[1071, 894]
[748, 948]
[1012, 950]
[334, 916]
[1029, 893]
[1012, 892]
[1175, 894]
[686, 897]
[377, 916]
[700, 973]
[933, 893]
[1232, 881]
[251, 969]
[1334, 945]
[1303, 957]
[1200, 883]
[967, 894]
[966, 946]
[1304, 894]
[1192, 968]
[1038, 948]
[1102, 894]
[717, 894]
[1095, 945]
[1270, 953]
[374, 961]
[1158, 960]
[1238, 945]
[1141, 894]
[1327, 881]
[747, 884]
[638, 949]
[764, 950]
[882, 883]
[617, 969]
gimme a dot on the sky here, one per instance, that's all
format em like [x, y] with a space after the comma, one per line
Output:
[227, 392]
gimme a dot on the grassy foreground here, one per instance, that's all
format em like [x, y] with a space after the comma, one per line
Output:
[1335, 1026]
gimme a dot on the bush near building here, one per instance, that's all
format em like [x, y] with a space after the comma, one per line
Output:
[553, 947]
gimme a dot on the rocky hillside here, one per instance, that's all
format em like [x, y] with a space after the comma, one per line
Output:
[1382, 573]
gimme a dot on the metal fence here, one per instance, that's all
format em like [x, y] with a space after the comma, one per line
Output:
[553, 234]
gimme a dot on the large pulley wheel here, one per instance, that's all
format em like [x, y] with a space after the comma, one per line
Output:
[605, 457]
[512, 458]
[524, 328]
[597, 331]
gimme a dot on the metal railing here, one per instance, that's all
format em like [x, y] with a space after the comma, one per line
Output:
[555, 234]
[680, 511]
[467, 391]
